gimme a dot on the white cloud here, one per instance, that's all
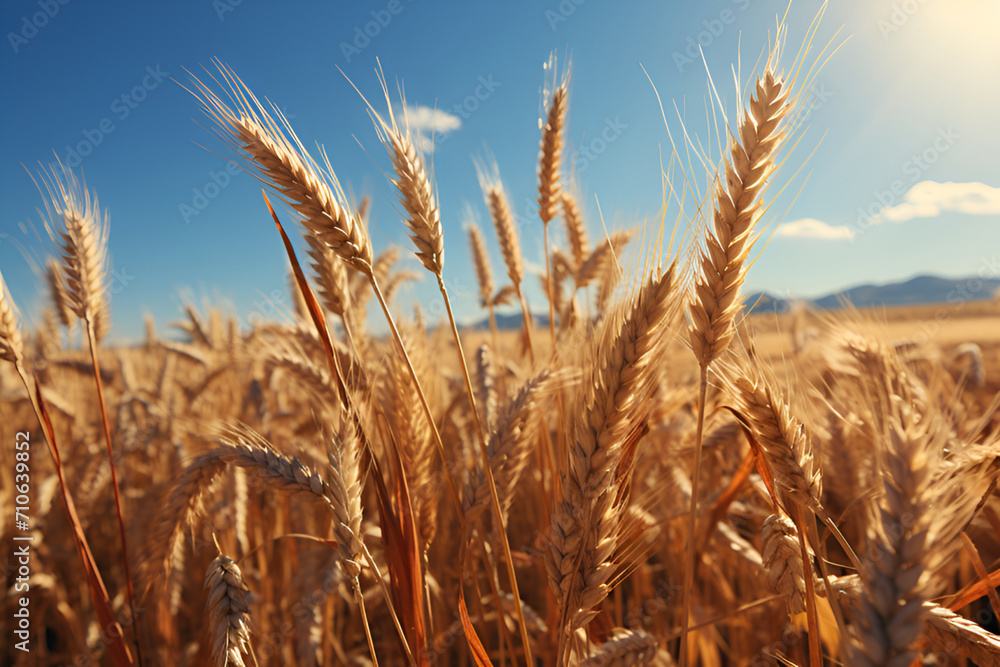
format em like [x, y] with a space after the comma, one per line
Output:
[811, 228]
[428, 125]
[929, 199]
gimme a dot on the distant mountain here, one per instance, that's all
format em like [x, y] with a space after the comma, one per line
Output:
[919, 290]
[761, 302]
[912, 292]
[508, 322]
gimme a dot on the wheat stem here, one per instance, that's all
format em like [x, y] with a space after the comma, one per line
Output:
[494, 499]
[691, 558]
[453, 487]
[364, 620]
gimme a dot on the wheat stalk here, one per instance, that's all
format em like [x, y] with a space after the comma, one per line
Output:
[722, 264]
[424, 221]
[84, 259]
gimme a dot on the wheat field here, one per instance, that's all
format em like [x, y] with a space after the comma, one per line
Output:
[657, 476]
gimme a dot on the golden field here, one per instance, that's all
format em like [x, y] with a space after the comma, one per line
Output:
[654, 479]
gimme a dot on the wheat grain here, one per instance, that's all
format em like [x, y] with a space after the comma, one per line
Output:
[345, 495]
[511, 444]
[415, 194]
[503, 221]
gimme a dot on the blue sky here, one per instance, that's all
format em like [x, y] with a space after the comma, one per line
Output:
[904, 179]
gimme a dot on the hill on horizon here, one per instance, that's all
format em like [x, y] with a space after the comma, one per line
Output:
[919, 290]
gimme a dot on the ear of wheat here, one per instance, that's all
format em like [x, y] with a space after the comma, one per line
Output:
[503, 221]
[576, 228]
[229, 612]
[83, 240]
[423, 217]
[11, 345]
[550, 153]
[281, 161]
[722, 264]
[614, 403]
[481, 262]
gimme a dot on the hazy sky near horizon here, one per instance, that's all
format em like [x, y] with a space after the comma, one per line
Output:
[895, 172]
